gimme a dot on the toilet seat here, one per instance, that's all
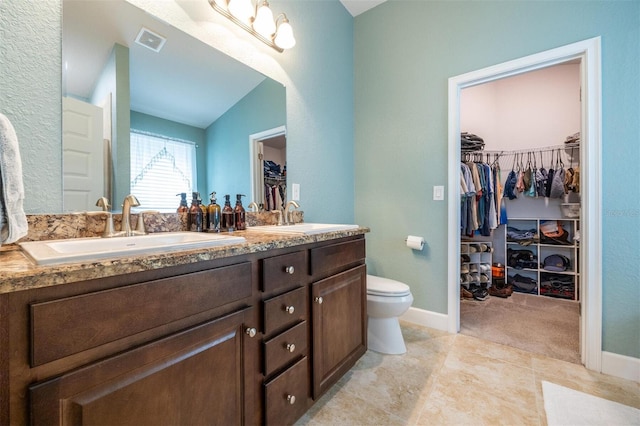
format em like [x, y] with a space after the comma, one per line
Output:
[378, 286]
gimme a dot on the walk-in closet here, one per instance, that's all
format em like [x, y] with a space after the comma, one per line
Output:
[520, 211]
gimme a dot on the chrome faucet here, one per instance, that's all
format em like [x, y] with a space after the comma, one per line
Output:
[129, 201]
[254, 205]
[289, 214]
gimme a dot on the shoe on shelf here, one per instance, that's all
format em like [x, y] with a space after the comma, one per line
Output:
[473, 267]
[463, 248]
[484, 278]
[474, 248]
[464, 268]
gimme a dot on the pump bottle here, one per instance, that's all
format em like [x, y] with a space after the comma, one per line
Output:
[227, 219]
[239, 213]
[194, 220]
[213, 215]
[204, 213]
[183, 207]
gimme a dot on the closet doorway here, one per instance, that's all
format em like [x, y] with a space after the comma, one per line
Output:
[587, 53]
[529, 125]
[269, 168]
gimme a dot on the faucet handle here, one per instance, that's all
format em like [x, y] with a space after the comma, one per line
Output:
[109, 228]
[104, 203]
[140, 227]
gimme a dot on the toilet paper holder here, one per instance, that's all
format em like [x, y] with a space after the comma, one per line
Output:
[414, 242]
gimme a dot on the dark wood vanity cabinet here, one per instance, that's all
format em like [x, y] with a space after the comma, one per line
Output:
[339, 311]
[191, 377]
[238, 340]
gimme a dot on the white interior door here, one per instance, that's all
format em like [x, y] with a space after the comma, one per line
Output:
[82, 155]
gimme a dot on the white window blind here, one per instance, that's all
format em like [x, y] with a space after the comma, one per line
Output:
[161, 168]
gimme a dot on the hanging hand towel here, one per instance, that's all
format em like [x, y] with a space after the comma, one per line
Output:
[13, 221]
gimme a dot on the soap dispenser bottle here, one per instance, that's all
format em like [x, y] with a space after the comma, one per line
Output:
[213, 214]
[228, 220]
[239, 212]
[204, 213]
[183, 208]
[194, 220]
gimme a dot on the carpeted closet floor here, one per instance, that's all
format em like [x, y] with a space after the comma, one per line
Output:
[537, 324]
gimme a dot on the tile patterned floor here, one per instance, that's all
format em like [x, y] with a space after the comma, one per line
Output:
[454, 380]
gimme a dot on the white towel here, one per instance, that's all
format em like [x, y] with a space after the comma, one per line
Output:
[13, 221]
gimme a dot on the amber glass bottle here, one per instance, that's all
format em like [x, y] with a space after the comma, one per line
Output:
[227, 219]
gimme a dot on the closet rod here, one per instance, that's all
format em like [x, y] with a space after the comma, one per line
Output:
[574, 145]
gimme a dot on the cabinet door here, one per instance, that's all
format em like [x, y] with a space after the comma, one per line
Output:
[339, 309]
[191, 377]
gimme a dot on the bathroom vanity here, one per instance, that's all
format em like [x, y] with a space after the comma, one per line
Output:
[245, 334]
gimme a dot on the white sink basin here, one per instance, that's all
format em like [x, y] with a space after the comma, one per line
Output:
[302, 228]
[81, 249]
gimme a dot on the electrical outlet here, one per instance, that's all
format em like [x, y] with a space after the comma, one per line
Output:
[438, 192]
[295, 192]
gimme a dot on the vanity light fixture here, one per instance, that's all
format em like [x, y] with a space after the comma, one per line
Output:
[258, 20]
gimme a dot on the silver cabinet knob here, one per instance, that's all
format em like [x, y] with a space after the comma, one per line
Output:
[290, 347]
[291, 399]
[289, 309]
[290, 270]
[251, 331]
[318, 300]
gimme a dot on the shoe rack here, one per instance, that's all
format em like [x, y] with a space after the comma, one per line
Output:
[475, 265]
[558, 284]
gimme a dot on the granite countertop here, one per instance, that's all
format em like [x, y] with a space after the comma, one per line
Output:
[19, 272]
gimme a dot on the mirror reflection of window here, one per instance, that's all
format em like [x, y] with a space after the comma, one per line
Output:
[161, 162]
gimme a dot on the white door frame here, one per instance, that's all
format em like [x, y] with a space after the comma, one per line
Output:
[588, 51]
[256, 174]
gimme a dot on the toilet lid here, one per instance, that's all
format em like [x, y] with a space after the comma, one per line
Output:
[379, 286]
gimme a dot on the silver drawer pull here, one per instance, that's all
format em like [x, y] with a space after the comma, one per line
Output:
[289, 309]
[251, 331]
[291, 399]
[290, 270]
[318, 300]
[290, 347]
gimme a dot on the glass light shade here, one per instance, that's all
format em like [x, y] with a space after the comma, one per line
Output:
[264, 24]
[242, 10]
[222, 4]
[284, 36]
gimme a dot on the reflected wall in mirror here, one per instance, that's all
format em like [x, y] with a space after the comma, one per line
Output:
[125, 71]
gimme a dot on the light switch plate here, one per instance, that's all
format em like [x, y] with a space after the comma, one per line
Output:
[295, 191]
[438, 192]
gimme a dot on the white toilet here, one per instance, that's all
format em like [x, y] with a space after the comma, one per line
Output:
[386, 301]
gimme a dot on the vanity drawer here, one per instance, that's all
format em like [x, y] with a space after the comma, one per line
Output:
[285, 310]
[285, 347]
[333, 258]
[63, 327]
[287, 396]
[284, 271]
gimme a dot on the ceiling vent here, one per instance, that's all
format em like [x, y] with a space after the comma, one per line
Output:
[150, 40]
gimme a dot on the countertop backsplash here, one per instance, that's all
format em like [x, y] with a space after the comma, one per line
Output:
[91, 224]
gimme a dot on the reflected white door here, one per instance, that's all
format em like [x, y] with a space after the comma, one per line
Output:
[82, 155]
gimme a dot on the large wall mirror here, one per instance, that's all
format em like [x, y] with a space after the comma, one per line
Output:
[127, 77]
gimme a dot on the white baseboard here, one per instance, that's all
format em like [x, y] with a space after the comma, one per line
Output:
[426, 318]
[622, 366]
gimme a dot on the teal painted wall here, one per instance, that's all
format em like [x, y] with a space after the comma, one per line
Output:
[227, 157]
[404, 53]
[160, 126]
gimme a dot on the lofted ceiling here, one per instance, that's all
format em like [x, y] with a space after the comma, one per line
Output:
[356, 7]
[197, 98]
